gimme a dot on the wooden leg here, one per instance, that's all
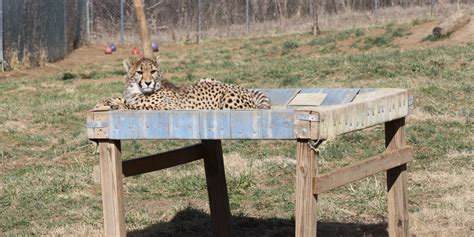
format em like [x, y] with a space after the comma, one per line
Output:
[305, 215]
[111, 182]
[397, 182]
[217, 187]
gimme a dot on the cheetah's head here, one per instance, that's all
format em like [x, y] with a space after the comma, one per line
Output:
[143, 75]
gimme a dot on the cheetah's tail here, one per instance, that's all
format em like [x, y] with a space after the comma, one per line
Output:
[261, 99]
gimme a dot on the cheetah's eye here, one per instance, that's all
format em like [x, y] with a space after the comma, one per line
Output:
[153, 71]
[139, 72]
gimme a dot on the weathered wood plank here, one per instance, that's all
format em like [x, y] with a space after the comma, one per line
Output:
[306, 169]
[397, 181]
[98, 125]
[362, 169]
[303, 121]
[371, 94]
[217, 187]
[111, 183]
[365, 90]
[339, 119]
[162, 160]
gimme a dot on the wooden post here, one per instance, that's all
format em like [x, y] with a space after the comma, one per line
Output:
[111, 182]
[397, 181]
[143, 29]
[217, 187]
[305, 214]
[314, 8]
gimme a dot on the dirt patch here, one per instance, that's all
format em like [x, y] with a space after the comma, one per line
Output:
[101, 81]
[413, 39]
[88, 55]
[462, 36]
[93, 53]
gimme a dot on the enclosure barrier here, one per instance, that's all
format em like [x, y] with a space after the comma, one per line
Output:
[35, 32]
[308, 116]
[184, 20]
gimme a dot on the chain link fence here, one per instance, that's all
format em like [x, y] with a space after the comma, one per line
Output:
[34, 32]
[192, 20]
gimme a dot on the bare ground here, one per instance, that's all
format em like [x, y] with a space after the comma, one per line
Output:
[93, 53]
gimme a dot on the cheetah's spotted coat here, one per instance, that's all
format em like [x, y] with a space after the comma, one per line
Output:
[146, 90]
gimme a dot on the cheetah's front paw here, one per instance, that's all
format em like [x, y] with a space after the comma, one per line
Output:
[110, 104]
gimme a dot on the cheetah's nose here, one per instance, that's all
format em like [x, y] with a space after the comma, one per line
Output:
[148, 83]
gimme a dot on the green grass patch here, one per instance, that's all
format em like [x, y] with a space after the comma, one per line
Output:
[385, 40]
[435, 37]
[338, 36]
[322, 41]
[290, 44]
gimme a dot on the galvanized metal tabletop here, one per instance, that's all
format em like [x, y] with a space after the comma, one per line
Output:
[295, 113]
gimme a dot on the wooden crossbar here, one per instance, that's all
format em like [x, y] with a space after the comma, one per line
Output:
[362, 169]
[163, 160]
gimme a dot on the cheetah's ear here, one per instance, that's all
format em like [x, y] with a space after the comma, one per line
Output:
[127, 64]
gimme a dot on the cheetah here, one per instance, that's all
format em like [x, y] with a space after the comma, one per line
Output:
[147, 90]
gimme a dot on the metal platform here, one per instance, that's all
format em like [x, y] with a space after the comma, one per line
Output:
[295, 113]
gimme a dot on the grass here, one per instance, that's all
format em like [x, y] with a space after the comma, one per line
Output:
[46, 186]
[335, 37]
[435, 37]
[385, 39]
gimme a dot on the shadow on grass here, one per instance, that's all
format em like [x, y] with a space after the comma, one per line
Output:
[194, 222]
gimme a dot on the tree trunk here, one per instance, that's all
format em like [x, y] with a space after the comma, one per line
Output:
[142, 25]
[315, 27]
[452, 23]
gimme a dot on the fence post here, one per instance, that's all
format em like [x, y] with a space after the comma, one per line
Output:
[1, 36]
[122, 19]
[376, 7]
[431, 7]
[88, 20]
[314, 16]
[199, 22]
[91, 19]
[247, 15]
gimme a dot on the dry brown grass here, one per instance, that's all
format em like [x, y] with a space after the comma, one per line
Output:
[451, 211]
[328, 22]
[419, 115]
